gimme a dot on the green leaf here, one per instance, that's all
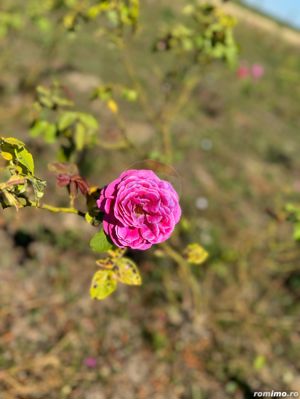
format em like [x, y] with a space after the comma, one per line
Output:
[296, 233]
[38, 128]
[88, 120]
[45, 129]
[100, 242]
[67, 119]
[129, 94]
[14, 150]
[79, 136]
[103, 284]
[127, 272]
[21, 167]
[25, 159]
[293, 209]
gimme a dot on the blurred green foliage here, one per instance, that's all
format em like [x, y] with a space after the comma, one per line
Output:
[19, 165]
[205, 34]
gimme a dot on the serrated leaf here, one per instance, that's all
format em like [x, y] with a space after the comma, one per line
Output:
[24, 158]
[127, 272]
[103, 284]
[12, 141]
[14, 150]
[8, 147]
[100, 242]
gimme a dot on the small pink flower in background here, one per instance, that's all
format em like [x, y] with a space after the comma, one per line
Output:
[257, 71]
[243, 72]
[90, 362]
[139, 209]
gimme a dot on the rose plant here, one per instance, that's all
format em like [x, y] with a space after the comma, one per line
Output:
[138, 209]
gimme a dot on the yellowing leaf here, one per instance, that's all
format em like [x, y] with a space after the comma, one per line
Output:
[195, 254]
[7, 156]
[103, 284]
[127, 272]
[13, 141]
[113, 106]
[105, 263]
[69, 21]
[97, 9]
[10, 199]
[115, 253]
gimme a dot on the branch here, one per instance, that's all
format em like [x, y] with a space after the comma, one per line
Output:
[56, 209]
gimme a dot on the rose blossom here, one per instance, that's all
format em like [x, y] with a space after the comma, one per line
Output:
[242, 72]
[257, 71]
[139, 209]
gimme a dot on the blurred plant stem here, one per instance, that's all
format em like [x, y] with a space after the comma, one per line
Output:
[192, 288]
[119, 145]
[122, 126]
[132, 74]
[162, 128]
[164, 120]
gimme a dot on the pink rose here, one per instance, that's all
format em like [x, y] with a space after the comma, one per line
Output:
[257, 71]
[242, 72]
[139, 209]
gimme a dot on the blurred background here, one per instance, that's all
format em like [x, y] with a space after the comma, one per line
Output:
[232, 326]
